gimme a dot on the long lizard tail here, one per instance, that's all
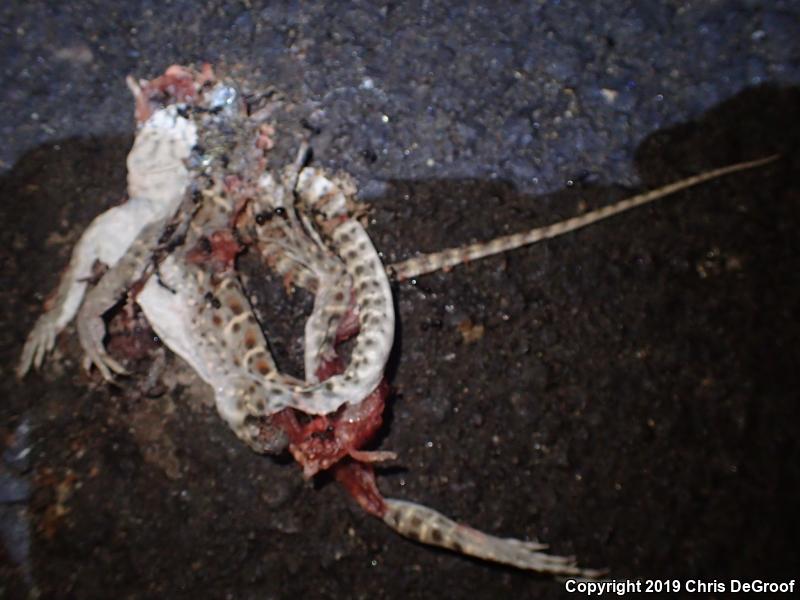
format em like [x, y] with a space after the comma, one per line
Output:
[446, 259]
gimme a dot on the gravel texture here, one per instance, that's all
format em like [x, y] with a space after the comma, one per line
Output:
[632, 399]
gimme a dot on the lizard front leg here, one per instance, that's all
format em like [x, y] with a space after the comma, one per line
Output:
[108, 292]
[62, 306]
[40, 341]
[106, 240]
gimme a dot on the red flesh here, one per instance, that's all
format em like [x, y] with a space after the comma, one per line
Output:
[359, 481]
[221, 251]
[334, 441]
[264, 140]
[326, 439]
[348, 327]
[130, 336]
[176, 84]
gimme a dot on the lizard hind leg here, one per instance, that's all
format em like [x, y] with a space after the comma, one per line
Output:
[428, 526]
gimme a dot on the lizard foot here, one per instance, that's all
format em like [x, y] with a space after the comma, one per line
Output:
[41, 340]
[431, 527]
[91, 333]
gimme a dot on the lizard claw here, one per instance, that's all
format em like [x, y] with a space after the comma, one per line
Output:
[41, 340]
[91, 332]
[107, 366]
[372, 456]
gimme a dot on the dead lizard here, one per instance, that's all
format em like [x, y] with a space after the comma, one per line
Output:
[191, 206]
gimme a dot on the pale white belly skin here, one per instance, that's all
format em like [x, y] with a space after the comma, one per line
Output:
[170, 314]
[157, 182]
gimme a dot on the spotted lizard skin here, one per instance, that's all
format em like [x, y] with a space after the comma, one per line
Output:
[452, 257]
[198, 188]
[210, 339]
